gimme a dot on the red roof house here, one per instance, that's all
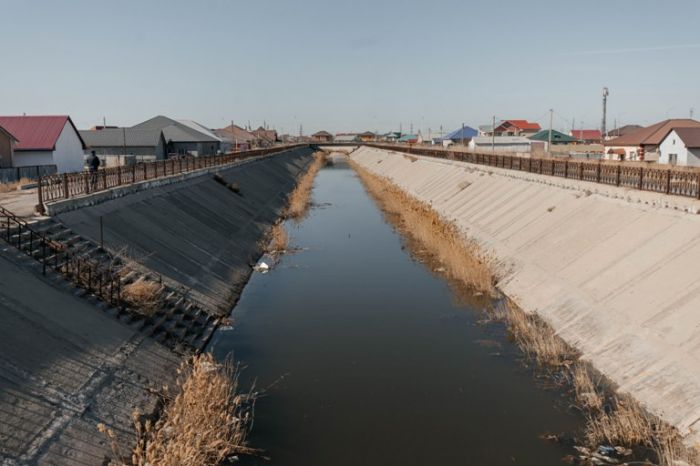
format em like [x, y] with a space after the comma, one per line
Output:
[588, 136]
[7, 147]
[45, 140]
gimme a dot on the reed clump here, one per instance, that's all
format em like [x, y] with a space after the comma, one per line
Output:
[13, 185]
[143, 295]
[279, 239]
[459, 257]
[300, 198]
[206, 423]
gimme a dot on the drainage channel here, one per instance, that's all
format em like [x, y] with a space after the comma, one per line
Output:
[368, 358]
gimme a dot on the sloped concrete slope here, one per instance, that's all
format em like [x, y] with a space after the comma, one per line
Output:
[614, 272]
[65, 367]
[199, 234]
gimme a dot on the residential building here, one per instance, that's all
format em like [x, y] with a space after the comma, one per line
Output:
[461, 135]
[557, 137]
[510, 128]
[368, 136]
[7, 147]
[622, 131]
[681, 147]
[643, 144]
[587, 136]
[500, 144]
[408, 139]
[183, 136]
[233, 137]
[45, 140]
[322, 136]
[126, 141]
[265, 137]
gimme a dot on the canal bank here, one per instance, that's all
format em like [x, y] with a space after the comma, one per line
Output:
[612, 277]
[369, 358]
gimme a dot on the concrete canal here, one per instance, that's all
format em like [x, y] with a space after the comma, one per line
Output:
[369, 358]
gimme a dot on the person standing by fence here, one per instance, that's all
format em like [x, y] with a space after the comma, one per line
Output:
[93, 163]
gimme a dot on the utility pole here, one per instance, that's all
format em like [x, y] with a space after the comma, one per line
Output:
[551, 118]
[233, 134]
[493, 134]
[124, 140]
[462, 134]
[692, 112]
[104, 122]
[603, 129]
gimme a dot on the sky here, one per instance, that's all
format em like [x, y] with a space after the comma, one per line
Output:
[349, 66]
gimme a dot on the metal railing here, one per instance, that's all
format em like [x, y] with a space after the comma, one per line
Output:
[674, 181]
[68, 185]
[81, 271]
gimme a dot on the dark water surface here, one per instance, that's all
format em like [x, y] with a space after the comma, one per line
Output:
[379, 365]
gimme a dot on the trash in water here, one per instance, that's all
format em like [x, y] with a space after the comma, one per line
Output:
[262, 267]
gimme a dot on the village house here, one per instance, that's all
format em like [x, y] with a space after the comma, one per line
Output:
[233, 137]
[622, 131]
[7, 147]
[183, 136]
[461, 135]
[681, 147]
[557, 137]
[587, 136]
[124, 142]
[510, 128]
[265, 137]
[45, 140]
[643, 144]
[322, 136]
[408, 139]
[368, 136]
[511, 144]
[346, 137]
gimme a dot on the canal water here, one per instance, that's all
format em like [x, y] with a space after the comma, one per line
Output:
[370, 360]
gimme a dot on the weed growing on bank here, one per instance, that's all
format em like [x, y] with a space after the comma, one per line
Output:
[206, 423]
[143, 295]
[279, 239]
[300, 199]
[13, 185]
[611, 419]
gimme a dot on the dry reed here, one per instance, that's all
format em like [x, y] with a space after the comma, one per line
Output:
[14, 185]
[459, 257]
[625, 423]
[279, 240]
[206, 423]
[144, 295]
[300, 198]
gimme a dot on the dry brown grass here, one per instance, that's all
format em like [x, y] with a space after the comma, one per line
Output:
[205, 424]
[143, 295]
[626, 424]
[14, 185]
[300, 199]
[279, 239]
[587, 388]
[460, 258]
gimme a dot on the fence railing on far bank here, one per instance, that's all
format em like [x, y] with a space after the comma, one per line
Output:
[68, 185]
[676, 181]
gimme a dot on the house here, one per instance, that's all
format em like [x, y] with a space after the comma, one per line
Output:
[510, 128]
[7, 147]
[557, 137]
[346, 137]
[126, 141]
[460, 135]
[368, 136]
[622, 131]
[322, 136]
[500, 144]
[233, 137]
[183, 136]
[587, 136]
[643, 144]
[265, 137]
[408, 139]
[45, 140]
[681, 147]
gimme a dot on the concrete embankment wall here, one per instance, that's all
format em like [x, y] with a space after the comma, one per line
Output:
[612, 270]
[198, 234]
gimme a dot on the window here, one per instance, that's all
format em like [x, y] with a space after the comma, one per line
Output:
[673, 159]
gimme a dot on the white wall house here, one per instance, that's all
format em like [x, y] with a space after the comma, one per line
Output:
[46, 140]
[681, 147]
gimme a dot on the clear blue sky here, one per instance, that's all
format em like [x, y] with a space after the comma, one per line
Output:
[350, 65]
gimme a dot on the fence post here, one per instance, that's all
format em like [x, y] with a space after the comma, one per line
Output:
[617, 182]
[104, 179]
[641, 177]
[697, 184]
[597, 172]
[119, 176]
[668, 181]
[40, 194]
[65, 185]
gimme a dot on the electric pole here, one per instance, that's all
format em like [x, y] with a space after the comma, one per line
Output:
[493, 135]
[462, 134]
[692, 112]
[603, 130]
[551, 118]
